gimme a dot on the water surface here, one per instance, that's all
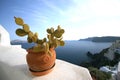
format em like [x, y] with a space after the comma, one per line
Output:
[75, 51]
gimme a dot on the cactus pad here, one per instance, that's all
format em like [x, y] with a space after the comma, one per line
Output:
[21, 32]
[29, 40]
[19, 21]
[62, 43]
[26, 28]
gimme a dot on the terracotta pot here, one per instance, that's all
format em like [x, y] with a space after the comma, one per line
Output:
[40, 63]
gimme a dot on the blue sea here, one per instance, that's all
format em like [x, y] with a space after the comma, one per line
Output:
[75, 51]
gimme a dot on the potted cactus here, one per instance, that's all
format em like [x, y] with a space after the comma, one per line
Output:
[41, 57]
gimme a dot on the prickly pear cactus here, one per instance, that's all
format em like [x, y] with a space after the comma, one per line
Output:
[54, 37]
[19, 21]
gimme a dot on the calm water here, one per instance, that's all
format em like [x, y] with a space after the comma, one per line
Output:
[75, 51]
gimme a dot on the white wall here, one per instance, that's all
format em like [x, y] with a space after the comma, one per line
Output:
[4, 36]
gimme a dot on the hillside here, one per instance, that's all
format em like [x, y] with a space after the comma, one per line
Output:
[101, 39]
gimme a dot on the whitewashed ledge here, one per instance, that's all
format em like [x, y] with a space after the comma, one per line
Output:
[13, 67]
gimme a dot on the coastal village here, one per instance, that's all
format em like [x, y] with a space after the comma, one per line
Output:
[115, 71]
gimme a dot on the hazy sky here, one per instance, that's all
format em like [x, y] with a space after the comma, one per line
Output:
[79, 18]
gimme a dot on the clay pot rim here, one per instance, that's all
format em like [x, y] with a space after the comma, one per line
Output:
[31, 50]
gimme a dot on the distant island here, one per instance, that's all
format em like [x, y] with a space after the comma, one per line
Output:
[101, 39]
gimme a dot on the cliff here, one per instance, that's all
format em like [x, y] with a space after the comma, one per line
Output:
[101, 39]
[114, 48]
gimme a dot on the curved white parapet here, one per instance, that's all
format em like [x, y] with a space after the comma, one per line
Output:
[4, 37]
[13, 55]
[65, 71]
[13, 65]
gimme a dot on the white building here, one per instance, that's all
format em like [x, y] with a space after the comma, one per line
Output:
[118, 70]
[115, 71]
